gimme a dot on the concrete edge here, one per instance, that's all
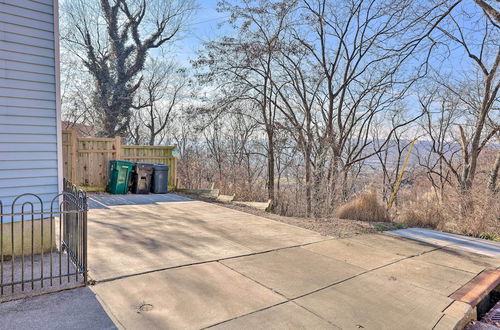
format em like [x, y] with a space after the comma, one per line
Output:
[465, 300]
[477, 288]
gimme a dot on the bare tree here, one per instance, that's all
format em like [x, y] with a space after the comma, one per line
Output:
[321, 71]
[242, 65]
[75, 99]
[476, 94]
[160, 94]
[298, 88]
[492, 13]
[390, 159]
[113, 39]
[339, 74]
[438, 155]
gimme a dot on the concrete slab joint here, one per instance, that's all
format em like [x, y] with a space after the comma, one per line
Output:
[177, 263]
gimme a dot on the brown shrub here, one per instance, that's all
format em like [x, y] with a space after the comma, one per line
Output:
[365, 207]
[422, 213]
[474, 214]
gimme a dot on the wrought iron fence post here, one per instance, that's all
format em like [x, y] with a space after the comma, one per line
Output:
[85, 270]
[70, 209]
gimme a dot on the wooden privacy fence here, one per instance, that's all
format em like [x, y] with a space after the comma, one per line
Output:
[86, 159]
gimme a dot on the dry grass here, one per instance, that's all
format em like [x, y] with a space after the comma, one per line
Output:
[365, 207]
[475, 214]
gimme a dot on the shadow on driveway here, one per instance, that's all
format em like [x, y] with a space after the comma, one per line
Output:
[71, 309]
[104, 201]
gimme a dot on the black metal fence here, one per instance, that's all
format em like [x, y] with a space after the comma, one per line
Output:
[43, 246]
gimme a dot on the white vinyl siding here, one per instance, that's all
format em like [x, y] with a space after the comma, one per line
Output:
[28, 116]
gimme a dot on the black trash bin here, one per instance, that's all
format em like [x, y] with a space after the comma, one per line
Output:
[159, 182]
[141, 178]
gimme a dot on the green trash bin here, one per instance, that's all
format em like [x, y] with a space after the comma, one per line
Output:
[119, 176]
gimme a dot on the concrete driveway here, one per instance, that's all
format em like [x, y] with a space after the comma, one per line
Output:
[133, 239]
[176, 263]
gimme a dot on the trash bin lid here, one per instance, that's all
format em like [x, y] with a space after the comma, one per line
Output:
[121, 162]
[144, 166]
[160, 167]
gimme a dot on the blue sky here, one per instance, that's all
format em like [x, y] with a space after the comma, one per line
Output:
[203, 27]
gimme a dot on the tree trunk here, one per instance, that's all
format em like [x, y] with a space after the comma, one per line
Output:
[270, 167]
[318, 194]
[345, 187]
[307, 160]
[492, 182]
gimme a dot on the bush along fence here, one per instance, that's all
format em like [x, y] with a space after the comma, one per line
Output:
[86, 159]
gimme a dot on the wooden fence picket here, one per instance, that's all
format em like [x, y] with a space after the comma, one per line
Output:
[86, 159]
